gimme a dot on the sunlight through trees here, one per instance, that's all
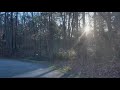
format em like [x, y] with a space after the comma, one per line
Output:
[44, 35]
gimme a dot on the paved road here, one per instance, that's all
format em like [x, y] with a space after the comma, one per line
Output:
[9, 67]
[16, 68]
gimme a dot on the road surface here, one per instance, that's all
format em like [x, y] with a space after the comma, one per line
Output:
[16, 68]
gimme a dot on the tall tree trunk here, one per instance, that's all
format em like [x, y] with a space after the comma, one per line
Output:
[15, 34]
[83, 15]
[111, 36]
[84, 47]
[95, 29]
[12, 34]
[69, 39]
[5, 32]
[50, 37]
[72, 26]
[64, 29]
[69, 25]
[33, 30]
[76, 20]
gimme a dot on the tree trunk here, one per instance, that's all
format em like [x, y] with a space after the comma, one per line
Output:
[12, 34]
[64, 30]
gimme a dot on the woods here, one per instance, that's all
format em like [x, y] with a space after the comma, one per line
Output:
[37, 33]
[87, 37]
[50, 31]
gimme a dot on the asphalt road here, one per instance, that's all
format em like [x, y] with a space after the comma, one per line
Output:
[10, 68]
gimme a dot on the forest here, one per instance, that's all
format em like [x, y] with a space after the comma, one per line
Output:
[84, 43]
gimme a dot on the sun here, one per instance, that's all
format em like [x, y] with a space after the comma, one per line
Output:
[87, 29]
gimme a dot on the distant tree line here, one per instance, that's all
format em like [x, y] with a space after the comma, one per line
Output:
[43, 34]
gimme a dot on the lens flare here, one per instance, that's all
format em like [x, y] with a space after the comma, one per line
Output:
[87, 29]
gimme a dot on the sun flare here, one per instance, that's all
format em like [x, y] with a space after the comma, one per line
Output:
[87, 29]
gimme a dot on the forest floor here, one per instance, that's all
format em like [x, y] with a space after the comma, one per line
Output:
[98, 70]
[93, 67]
